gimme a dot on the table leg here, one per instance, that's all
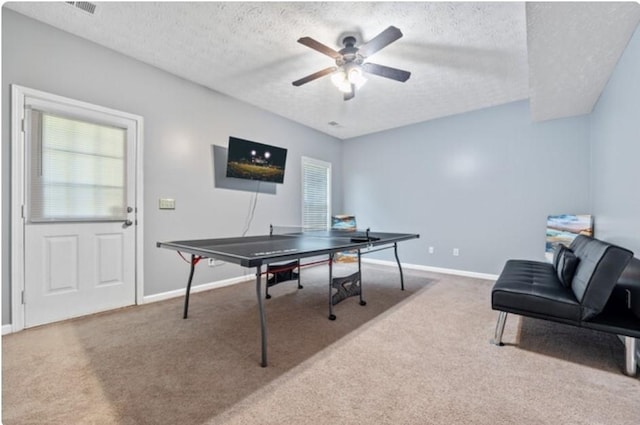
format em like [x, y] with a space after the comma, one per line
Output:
[395, 251]
[263, 324]
[362, 301]
[331, 315]
[186, 296]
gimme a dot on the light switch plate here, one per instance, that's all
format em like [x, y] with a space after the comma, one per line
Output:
[167, 204]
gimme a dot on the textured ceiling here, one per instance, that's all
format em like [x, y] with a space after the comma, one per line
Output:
[573, 48]
[462, 56]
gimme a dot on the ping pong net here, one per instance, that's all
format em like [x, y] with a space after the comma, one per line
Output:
[353, 235]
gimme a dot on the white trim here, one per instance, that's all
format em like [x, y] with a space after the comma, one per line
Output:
[200, 288]
[177, 293]
[17, 204]
[18, 179]
[433, 269]
[7, 329]
[139, 213]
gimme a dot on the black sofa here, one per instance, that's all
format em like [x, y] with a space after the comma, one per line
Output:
[580, 288]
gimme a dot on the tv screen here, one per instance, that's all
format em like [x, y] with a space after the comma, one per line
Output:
[255, 161]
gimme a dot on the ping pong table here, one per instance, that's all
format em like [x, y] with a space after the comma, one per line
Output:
[294, 244]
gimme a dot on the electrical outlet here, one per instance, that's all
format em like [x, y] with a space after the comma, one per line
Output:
[431, 250]
[456, 252]
[212, 262]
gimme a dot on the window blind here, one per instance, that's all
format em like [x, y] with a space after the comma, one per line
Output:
[316, 193]
[77, 170]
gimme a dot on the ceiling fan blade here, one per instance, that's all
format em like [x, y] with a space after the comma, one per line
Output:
[386, 72]
[380, 41]
[314, 76]
[316, 45]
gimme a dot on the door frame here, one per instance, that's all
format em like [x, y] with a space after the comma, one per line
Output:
[18, 192]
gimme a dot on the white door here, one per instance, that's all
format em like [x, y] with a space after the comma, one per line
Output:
[80, 212]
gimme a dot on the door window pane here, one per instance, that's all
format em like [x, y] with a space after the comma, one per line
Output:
[77, 169]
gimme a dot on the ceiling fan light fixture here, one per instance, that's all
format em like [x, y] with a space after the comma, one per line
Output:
[339, 78]
[355, 75]
[347, 76]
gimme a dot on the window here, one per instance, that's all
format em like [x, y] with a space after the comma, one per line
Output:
[316, 193]
[77, 169]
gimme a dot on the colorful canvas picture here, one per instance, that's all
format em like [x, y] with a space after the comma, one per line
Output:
[564, 228]
[345, 222]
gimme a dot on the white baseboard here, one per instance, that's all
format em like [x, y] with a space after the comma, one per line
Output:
[194, 289]
[7, 329]
[232, 281]
[433, 269]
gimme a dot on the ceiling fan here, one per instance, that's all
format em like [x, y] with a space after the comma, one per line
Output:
[348, 73]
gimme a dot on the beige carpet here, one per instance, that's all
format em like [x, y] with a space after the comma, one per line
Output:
[421, 356]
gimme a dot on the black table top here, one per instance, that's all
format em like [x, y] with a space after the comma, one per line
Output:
[253, 251]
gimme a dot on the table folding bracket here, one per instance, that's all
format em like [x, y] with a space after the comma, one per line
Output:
[282, 273]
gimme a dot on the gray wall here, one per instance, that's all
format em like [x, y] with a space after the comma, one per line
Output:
[483, 182]
[182, 120]
[615, 162]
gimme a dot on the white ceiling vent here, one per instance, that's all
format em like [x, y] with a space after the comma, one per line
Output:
[84, 5]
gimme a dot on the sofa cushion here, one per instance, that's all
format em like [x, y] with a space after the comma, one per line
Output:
[532, 288]
[556, 254]
[598, 271]
[566, 266]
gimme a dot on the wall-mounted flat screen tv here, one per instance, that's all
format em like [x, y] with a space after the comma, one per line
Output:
[255, 161]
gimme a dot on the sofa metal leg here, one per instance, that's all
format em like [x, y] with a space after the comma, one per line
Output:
[497, 338]
[630, 355]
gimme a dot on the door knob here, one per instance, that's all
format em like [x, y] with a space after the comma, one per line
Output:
[127, 223]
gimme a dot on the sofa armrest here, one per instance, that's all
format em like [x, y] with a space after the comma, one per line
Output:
[600, 266]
